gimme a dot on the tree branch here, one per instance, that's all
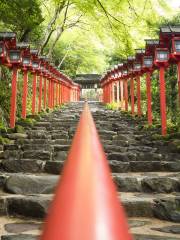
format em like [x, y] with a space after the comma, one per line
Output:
[109, 14]
[60, 30]
[50, 27]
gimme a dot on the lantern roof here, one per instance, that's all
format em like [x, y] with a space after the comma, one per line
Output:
[34, 52]
[151, 44]
[170, 29]
[139, 54]
[22, 45]
[7, 36]
[130, 58]
[140, 51]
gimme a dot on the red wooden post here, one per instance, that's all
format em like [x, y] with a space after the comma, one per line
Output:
[52, 103]
[49, 93]
[126, 94]
[40, 93]
[62, 98]
[45, 92]
[132, 95]
[13, 97]
[25, 93]
[65, 90]
[163, 100]
[86, 206]
[139, 95]
[110, 92]
[34, 93]
[122, 94]
[57, 91]
[59, 94]
[149, 99]
[104, 94]
[178, 66]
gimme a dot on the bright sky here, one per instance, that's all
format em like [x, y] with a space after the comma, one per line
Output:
[174, 3]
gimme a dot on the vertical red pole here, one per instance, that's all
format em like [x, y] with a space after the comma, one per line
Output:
[132, 95]
[64, 93]
[178, 66]
[57, 91]
[149, 99]
[13, 97]
[45, 92]
[49, 93]
[40, 93]
[86, 190]
[52, 104]
[34, 94]
[62, 100]
[126, 94]
[122, 94]
[163, 100]
[25, 92]
[110, 93]
[59, 94]
[103, 94]
[139, 95]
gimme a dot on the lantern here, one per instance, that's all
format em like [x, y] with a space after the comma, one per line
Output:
[15, 56]
[162, 55]
[26, 61]
[148, 61]
[124, 72]
[177, 45]
[137, 66]
[35, 65]
[1, 49]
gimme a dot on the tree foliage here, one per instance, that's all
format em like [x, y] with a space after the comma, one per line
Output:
[88, 36]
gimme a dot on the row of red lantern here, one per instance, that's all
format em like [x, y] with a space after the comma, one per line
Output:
[19, 56]
[157, 55]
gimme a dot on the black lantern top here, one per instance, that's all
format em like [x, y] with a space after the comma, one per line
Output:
[7, 36]
[131, 58]
[140, 51]
[152, 41]
[22, 45]
[170, 29]
[34, 52]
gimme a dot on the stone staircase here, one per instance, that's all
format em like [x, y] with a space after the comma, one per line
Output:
[147, 173]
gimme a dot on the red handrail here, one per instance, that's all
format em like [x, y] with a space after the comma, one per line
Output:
[86, 206]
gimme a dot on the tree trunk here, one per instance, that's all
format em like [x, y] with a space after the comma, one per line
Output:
[59, 33]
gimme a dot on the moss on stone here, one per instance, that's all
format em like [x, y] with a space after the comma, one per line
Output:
[4, 140]
[19, 129]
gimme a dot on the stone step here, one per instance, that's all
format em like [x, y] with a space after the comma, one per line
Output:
[55, 166]
[135, 156]
[154, 229]
[36, 147]
[37, 154]
[134, 182]
[161, 206]
[157, 182]
[17, 229]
